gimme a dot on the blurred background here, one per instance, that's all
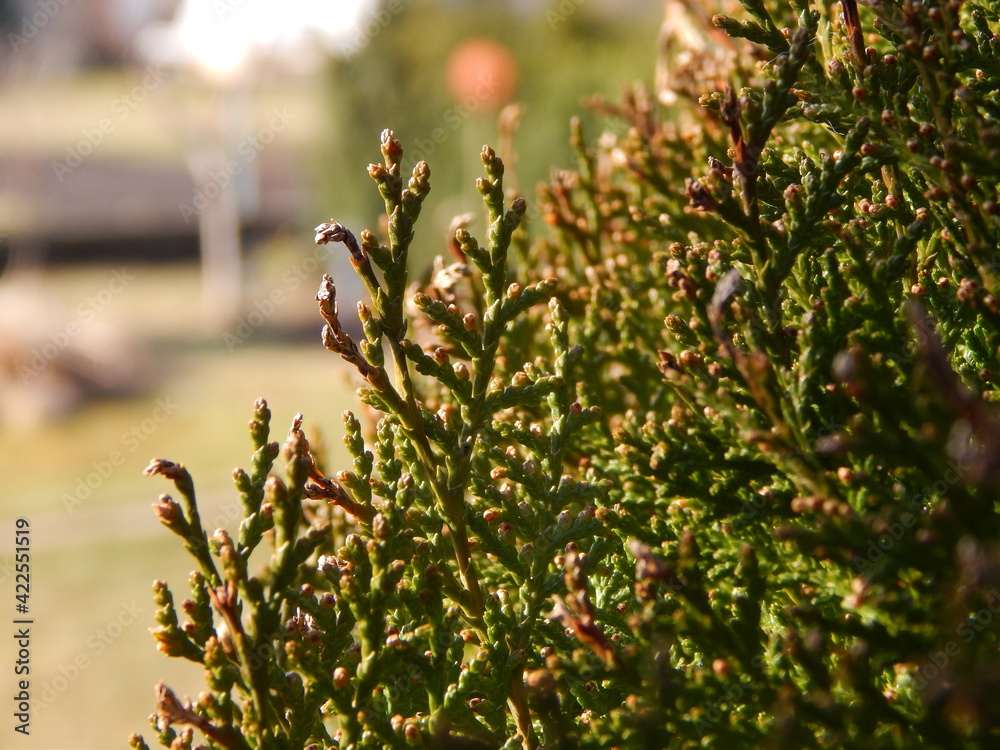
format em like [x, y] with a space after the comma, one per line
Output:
[162, 164]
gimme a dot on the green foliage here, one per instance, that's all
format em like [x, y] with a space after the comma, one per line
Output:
[713, 464]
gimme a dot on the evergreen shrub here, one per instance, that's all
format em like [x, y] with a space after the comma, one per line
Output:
[710, 461]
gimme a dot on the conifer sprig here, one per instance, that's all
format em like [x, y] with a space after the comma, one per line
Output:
[733, 485]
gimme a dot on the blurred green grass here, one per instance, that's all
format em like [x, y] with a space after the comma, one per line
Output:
[96, 560]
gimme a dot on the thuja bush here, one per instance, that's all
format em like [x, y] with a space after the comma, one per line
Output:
[711, 461]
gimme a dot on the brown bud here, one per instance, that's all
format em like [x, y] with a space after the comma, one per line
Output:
[340, 678]
[721, 668]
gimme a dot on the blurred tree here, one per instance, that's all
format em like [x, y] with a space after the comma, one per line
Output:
[397, 76]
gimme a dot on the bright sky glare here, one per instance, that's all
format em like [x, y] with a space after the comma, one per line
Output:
[221, 36]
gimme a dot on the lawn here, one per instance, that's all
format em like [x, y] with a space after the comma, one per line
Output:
[97, 545]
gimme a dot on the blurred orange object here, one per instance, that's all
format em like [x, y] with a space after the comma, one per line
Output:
[482, 73]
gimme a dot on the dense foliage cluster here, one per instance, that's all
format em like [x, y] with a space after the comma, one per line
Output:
[712, 463]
